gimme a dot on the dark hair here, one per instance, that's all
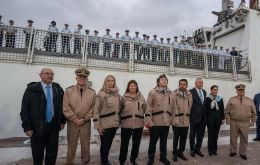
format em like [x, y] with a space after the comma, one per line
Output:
[160, 77]
[213, 86]
[185, 80]
[129, 83]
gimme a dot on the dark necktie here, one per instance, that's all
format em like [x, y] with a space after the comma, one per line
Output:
[81, 91]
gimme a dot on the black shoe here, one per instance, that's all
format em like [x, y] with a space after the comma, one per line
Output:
[181, 155]
[199, 153]
[215, 153]
[175, 159]
[232, 154]
[165, 161]
[133, 162]
[210, 153]
[150, 162]
[122, 163]
[243, 157]
[106, 163]
[256, 139]
[192, 154]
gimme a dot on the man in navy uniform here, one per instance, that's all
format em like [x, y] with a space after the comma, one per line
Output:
[28, 33]
[42, 117]
[155, 48]
[136, 40]
[65, 38]
[78, 40]
[107, 43]
[126, 45]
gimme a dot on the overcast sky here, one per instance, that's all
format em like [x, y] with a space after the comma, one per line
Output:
[163, 17]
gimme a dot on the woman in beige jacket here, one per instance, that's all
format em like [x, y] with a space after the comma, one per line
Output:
[106, 115]
[132, 121]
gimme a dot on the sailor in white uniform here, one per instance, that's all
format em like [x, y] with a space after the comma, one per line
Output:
[107, 43]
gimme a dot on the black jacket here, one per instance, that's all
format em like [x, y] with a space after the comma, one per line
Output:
[33, 111]
[198, 109]
[215, 116]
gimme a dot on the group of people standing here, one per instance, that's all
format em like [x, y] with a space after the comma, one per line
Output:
[46, 109]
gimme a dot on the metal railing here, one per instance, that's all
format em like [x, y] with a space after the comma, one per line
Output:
[31, 45]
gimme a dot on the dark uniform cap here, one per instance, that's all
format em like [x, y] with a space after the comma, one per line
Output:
[136, 32]
[82, 71]
[144, 35]
[168, 39]
[240, 87]
[0, 16]
[126, 30]
[66, 24]
[107, 29]
[11, 21]
[95, 31]
[53, 22]
[155, 35]
[175, 37]
[86, 30]
[161, 38]
[29, 20]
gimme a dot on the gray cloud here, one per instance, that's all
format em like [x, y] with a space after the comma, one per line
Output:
[163, 17]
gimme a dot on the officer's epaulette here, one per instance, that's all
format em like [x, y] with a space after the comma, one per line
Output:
[248, 97]
[70, 86]
[91, 89]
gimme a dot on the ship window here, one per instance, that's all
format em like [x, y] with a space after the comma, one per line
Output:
[208, 35]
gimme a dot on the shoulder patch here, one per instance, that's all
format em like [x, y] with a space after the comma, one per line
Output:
[70, 86]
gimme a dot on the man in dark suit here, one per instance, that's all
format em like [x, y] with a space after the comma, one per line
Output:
[198, 117]
[257, 104]
[42, 117]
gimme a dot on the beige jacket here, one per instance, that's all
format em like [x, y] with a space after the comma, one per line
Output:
[159, 108]
[132, 111]
[240, 109]
[181, 108]
[75, 106]
[106, 111]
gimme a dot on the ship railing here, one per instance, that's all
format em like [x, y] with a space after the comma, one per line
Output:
[30, 45]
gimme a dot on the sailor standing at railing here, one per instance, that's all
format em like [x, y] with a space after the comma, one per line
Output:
[77, 40]
[51, 37]
[161, 50]
[89, 41]
[176, 46]
[137, 46]
[155, 48]
[65, 38]
[10, 34]
[167, 51]
[222, 54]
[28, 32]
[95, 43]
[107, 43]
[116, 46]
[1, 31]
[144, 46]
[126, 45]
[237, 56]
[209, 52]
